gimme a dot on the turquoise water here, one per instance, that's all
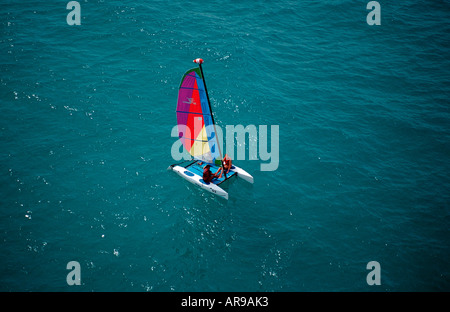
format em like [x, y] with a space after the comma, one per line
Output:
[363, 115]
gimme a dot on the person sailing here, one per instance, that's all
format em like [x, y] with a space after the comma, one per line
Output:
[226, 166]
[208, 176]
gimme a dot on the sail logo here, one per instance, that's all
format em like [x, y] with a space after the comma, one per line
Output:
[190, 101]
[240, 141]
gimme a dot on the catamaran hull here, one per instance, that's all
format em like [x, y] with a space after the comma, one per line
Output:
[210, 187]
[242, 174]
[198, 180]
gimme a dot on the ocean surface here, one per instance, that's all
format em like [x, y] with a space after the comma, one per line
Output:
[364, 130]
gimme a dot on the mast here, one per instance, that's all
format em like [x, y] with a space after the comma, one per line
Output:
[199, 61]
[206, 91]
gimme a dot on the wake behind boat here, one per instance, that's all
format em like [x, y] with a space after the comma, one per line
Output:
[196, 128]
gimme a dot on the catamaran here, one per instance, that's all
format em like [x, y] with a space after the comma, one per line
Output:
[197, 132]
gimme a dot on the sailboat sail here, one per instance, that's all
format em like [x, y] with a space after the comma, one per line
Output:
[195, 121]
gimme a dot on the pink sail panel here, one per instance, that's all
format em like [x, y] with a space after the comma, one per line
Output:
[195, 124]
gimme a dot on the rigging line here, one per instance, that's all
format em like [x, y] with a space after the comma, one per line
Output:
[212, 115]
